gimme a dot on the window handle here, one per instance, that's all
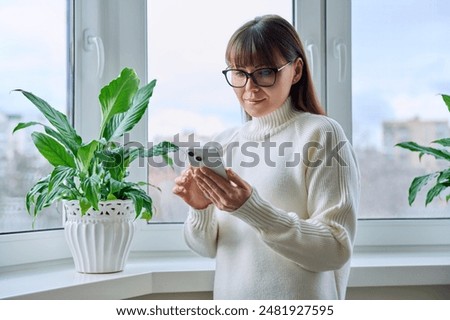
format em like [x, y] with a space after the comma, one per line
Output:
[340, 53]
[312, 52]
[93, 42]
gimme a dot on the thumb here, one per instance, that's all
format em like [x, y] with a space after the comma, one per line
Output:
[236, 179]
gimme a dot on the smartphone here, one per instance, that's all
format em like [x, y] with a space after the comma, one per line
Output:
[207, 156]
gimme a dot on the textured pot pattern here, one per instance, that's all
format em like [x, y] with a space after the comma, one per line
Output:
[100, 240]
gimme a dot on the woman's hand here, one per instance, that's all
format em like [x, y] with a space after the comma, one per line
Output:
[226, 195]
[187, 189]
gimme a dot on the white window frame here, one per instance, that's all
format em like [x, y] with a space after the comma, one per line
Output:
[320, 23]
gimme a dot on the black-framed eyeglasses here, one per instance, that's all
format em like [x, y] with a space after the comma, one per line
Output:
[264, 77]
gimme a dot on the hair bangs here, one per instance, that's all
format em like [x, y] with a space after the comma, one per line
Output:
[249, 48]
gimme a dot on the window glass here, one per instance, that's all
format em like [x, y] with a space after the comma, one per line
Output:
[186, 49]
[33, 57]
[400, 63]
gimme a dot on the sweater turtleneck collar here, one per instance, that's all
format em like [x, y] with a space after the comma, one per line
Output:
[260, 127]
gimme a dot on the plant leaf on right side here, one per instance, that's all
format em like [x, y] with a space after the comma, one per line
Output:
[417, 184]
[446, 99]
[415, 147]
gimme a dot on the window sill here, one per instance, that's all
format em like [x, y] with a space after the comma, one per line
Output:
[400, 266]
[145, 273]
[150, 273]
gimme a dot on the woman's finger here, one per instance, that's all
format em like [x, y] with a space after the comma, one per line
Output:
[207, 175]
[208, 186]
[236, 179]
[178, 190]
[216, 199]
[228, 195]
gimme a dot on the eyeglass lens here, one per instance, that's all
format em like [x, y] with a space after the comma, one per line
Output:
[261, 77]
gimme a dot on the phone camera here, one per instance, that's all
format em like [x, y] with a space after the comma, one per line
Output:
[190, 154]
[198, 158]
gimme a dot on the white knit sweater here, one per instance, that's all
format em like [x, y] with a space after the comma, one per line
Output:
[293, 238]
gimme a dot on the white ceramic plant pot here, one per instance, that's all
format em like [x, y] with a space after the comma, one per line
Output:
[100, 240]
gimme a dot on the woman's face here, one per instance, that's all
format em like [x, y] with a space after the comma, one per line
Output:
[259, 101]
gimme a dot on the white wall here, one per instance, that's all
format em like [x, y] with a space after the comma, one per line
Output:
[362, 293]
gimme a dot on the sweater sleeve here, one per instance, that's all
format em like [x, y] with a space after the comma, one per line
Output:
[201, 227]
[324, 240]
[200, 231]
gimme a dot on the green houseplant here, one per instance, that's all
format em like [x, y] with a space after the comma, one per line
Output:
[91, 177]
[440, 179]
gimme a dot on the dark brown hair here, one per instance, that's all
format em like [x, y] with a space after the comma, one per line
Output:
[260, 41]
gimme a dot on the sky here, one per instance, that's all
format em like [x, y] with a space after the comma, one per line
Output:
[400, 63]
[32, 52]
[400, 51]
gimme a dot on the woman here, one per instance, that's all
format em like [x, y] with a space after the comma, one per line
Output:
[282, 226]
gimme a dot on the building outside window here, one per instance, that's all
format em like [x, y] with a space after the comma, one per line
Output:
[33, 57]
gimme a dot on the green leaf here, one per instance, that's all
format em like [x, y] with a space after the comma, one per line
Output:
[40, 202]
[167, 160]
[446, 99]
[38, 188]
[131, 154]
[124, 122]
[137, 200]
[52, 150]
[147, 202]
[59, 175]
[444, 178]
[113, 162]
[109, 158]
[147, 215]
[445, 142]
[118, 186]
[91, 187]
[111, 197]
[55, 195]
[417, 184]
[23, 125]
[160, 149]
[413, 146]
[69, 143]
[116, 97]
[86, 153]
[434, 192]
[84, 205]
[56, 118]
